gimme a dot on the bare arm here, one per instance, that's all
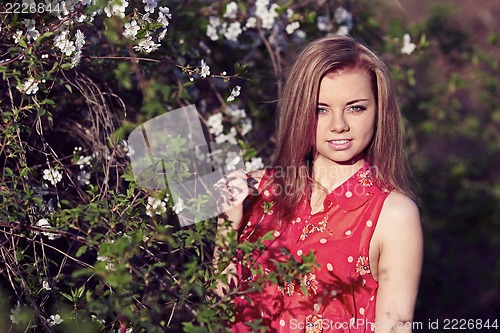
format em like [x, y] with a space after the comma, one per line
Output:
[238, 187]
[401, 249]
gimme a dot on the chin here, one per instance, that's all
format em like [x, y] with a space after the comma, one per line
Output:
[347, 159]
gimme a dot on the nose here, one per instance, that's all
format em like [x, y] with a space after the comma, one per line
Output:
[338, 123]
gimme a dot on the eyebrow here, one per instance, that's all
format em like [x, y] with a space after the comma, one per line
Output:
[349, 103]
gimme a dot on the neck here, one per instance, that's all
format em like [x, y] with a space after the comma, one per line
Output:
[332, 174]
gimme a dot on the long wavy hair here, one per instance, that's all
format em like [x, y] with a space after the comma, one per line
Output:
[296, 130]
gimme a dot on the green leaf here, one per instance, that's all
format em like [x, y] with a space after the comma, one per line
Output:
[22, 43]
[141, 33]
[41, 112]
[81, 251]
[43, 37]
[68, 297]
[48, 101]
[66, 66]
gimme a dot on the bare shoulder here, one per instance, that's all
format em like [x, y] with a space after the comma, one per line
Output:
[398, 206]
[399, 219]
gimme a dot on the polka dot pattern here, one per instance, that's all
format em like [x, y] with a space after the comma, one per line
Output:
[334, 235]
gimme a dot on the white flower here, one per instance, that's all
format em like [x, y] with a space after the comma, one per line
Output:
[289, 13]
[31, 32]
[44, 224]
[343, 30]
[87, 2]
[84, 177]
[54, 320]
[212, 33]
[155, 206]
[344, 19]
[46, 285]
[75, 59]
[324, 23]
[166, 12]
[64, 44]
[14, 317]
[408, 46]
[234, 93]
[213, 28]
[29, 87]
[163, 16]
[83, 161]
[110, 266]
[290, 28]
[205, 69]
[146, 45]
[233, 31]
[179, 206]
[232, 160]
[246, 126]
[52, 175]
[342, 15]
[17, 36]
[235, 113]
[80, 39]
[214, 123]
[128, 149]
[117, 8]
[231, 10]
[251, 22]
[229, 137]
[131, 29]
[254, 164]
[162, 35]
[150, 5]
[266, 15]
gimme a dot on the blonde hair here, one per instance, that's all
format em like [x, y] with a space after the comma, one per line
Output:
[297, 122]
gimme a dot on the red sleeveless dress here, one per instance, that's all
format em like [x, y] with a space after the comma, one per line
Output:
[339, 294]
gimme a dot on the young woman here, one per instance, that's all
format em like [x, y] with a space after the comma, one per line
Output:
[339, 187]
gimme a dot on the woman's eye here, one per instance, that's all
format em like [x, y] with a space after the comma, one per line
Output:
[357, 108]
[321, 110]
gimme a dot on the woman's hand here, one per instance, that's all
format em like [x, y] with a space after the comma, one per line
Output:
[231, 192]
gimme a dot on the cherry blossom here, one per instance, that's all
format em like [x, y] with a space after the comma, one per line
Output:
[52, 175]
[408, 46]
[205, 69]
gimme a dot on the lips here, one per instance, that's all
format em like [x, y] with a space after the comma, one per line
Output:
[340, 144]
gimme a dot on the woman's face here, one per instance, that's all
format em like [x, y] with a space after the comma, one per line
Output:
[346, 117]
